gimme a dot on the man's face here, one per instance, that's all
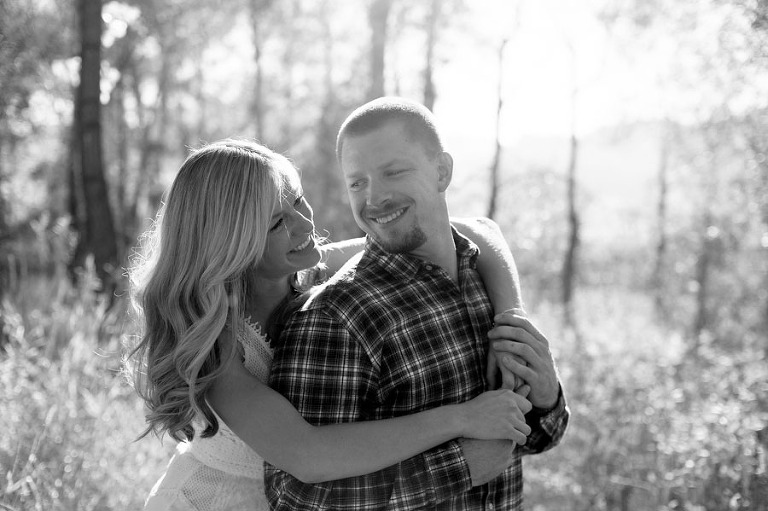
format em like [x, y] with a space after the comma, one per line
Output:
[395, 187]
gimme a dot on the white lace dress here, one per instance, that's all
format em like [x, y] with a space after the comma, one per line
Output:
[221, 472]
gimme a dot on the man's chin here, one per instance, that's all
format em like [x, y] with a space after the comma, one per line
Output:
[398, 243]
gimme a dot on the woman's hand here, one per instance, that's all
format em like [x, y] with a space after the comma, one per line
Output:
[524, 350]
[498, 414]
[495, 368]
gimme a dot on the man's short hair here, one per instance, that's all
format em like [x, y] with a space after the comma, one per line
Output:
[417, 119]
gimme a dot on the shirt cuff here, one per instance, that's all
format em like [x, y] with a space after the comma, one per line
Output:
[550, 420]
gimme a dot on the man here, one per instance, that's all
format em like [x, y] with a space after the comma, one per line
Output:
[405, 328]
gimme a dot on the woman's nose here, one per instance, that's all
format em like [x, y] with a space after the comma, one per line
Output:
[301, 222]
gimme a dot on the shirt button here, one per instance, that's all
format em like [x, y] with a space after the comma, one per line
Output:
[490, 507]
[430, 267]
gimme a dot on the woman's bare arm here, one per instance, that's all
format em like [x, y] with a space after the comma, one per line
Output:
[271, 426]
[497, 268]
[496, 264]
[336, 254]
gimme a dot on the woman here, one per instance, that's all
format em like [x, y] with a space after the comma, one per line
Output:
[231, 238]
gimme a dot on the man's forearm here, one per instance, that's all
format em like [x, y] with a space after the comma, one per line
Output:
[486, 459]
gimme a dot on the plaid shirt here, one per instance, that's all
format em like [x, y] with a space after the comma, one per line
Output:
[389, 337]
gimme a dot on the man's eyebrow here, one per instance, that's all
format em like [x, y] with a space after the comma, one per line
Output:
[393, 163]
[397, 162]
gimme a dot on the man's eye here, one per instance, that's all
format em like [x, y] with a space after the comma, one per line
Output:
[276, 226]
[298, 200]
[356, 185]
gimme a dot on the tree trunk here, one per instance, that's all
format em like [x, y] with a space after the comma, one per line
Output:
[703, 264]
[97, 235]
[758, 143]
[289, 71]
[626, 498]
[657, 279]
[127, 228]
[570, 264]
[5, 267]
[257, 10]
[432, 21]
[710, 244]
[153, 121]
[322, 179]
[497, 151]
[201, 101]
[574, 224]
[3, 206]
[378, 15]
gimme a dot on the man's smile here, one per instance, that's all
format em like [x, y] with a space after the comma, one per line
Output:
[388, 218]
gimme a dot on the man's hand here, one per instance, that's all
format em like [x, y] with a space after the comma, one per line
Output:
[524, 351]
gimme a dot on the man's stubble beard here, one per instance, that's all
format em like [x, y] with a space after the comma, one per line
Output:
[410, 241]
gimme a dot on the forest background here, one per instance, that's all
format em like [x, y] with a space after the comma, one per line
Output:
[622, 146]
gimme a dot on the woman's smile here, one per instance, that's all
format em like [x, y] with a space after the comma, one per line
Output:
[306, 243]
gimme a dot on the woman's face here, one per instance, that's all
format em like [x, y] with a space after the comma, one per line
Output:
[291, 244]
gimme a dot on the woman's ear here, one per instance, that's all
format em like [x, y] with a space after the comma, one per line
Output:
[444, 170]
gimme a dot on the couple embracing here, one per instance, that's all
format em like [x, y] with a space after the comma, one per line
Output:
[409, 378]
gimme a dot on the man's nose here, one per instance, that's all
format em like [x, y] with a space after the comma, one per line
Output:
[378, 193]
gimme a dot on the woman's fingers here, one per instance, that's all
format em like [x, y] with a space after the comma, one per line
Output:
[507, 333]
[509, 379]
[516, 321]
[497, 414]
[515, 336]
[517, 368]
[491, 369]
[518, 349]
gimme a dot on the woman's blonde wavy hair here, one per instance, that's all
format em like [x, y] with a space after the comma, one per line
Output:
[189, 277]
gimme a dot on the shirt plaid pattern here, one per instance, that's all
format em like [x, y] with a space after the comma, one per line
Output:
[393, 336]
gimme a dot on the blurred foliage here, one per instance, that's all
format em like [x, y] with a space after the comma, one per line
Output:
[665, 374]
[655, 426]
[68, 418]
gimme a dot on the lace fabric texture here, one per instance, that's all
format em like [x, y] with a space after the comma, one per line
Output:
[221, 472]
[258, 353]
[189, 485]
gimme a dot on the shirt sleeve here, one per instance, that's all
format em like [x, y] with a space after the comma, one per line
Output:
[330, 378]
[547, 427]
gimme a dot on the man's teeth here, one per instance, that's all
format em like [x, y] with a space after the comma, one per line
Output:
[389, 218]
[303, 245]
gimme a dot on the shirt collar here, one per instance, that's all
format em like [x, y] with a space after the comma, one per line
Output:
[406, 266]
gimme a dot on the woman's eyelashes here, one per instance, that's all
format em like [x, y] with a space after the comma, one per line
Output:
[277, 225]
[280, 221]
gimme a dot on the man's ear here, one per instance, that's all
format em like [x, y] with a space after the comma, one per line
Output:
[444, 170]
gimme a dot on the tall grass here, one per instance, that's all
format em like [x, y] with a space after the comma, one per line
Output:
[68, 419]
[653, 427]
